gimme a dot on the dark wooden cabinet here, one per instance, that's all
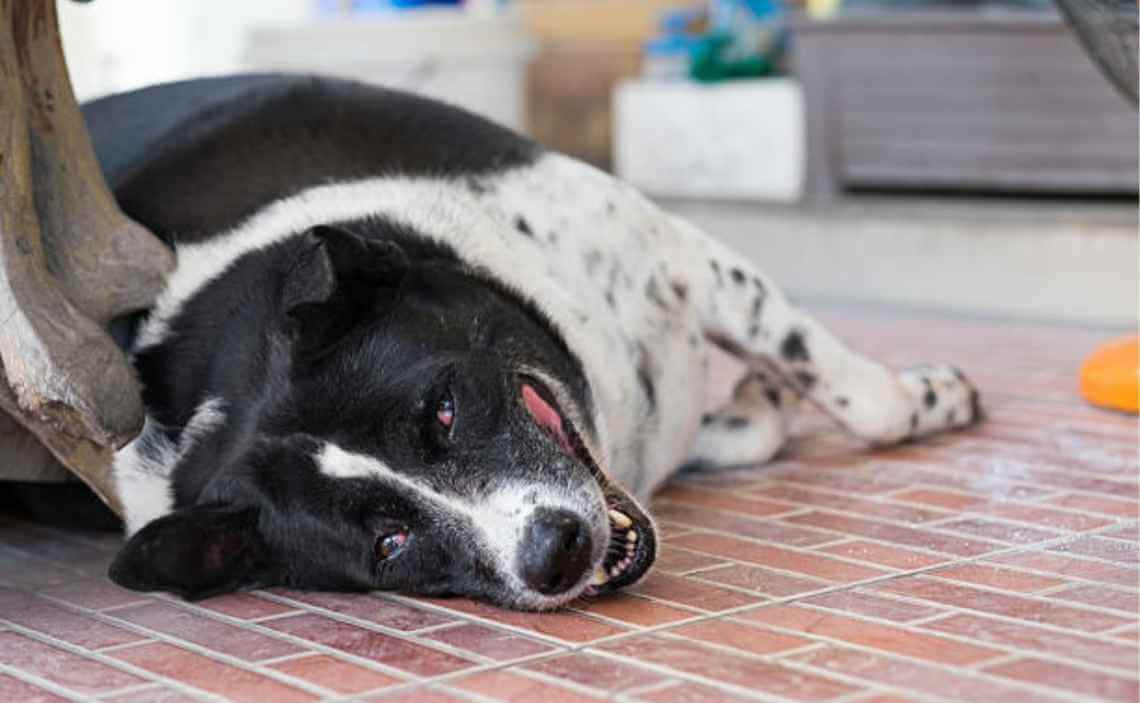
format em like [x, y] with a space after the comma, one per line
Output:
[1004, 102]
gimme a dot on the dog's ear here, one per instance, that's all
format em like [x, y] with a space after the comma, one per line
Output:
[339, 279]
[195, 552]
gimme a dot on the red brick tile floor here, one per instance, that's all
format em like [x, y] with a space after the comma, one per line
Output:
[997, 564]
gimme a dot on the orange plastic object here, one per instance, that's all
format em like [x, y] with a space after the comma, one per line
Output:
[1110, 376]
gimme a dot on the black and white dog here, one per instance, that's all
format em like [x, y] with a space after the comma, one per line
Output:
[406, 349]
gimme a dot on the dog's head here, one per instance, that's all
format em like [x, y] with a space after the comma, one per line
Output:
[414, 428]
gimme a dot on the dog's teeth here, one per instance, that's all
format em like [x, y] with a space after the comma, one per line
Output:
[600, 577]
[631, 536]
[620, 519]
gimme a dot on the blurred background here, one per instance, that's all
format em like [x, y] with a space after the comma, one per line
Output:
[965, 157]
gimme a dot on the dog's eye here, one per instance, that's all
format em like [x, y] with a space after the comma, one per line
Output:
[387, 546]
[445, 411]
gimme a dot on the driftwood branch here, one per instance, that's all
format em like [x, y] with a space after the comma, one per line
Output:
[70, 261]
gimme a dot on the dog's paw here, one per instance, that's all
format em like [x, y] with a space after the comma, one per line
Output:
[942, 399]
[746, 432]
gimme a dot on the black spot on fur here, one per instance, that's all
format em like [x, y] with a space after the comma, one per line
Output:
[806, 379]
[930, 398]
[737, 276]
[681, 290]
[553, 237]
[707, 419]
[645, 378]
[654, 293]
[523, 226]
[592, 259]
[976, 413]
[610, 299]
[753, 330]
[793, 347]
[842, 402]
[476, 186]
[736, 422]
[759, 285]
[757, 306]
[716, 270]
[773, 396]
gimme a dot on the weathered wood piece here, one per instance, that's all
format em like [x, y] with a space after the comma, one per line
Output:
[70, 261]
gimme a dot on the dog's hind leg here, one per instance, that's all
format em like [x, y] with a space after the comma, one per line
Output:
[744, 312]
[750, 428]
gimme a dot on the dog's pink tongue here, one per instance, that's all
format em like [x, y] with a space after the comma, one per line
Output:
[546, 416]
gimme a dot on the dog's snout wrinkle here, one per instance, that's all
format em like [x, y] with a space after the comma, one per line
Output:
[556, 551]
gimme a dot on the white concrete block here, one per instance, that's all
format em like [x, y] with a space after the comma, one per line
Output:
[735, 140]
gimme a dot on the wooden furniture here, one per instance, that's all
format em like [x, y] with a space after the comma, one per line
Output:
[966, 101]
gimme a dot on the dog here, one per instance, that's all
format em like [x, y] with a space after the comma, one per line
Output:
[404, 348]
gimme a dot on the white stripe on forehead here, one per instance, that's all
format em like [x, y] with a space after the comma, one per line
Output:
[499, 517]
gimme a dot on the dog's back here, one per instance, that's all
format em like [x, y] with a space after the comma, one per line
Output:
[172, 153]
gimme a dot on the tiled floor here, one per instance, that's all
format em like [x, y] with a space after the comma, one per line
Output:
[994, 565]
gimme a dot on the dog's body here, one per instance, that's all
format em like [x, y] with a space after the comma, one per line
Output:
[340, 250]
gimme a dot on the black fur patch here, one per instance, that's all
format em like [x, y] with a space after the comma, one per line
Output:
[773, 396]
[654, 293]
[736, 422]
[757, 305]
[737, 276]
[716, 270]
[681, 290]
[162, 148]
[645, 378]
[806, 379]
[930, 398]
[523, 226]
[793, 347]
[592, 259]
[476, 186]
[842, 401]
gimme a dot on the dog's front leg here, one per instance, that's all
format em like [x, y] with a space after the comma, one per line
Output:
[744, 311]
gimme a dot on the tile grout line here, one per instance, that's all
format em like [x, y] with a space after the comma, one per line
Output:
[981, 676]
[157, 636]
[111, 662]
[911, 628]
[405, 636]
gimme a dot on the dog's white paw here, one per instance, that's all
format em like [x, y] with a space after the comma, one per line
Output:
[942, 398]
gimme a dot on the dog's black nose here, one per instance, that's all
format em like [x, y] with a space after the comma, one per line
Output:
[555, 552]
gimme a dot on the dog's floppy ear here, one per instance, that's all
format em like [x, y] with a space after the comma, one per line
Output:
[195, 552]
[339, 279]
